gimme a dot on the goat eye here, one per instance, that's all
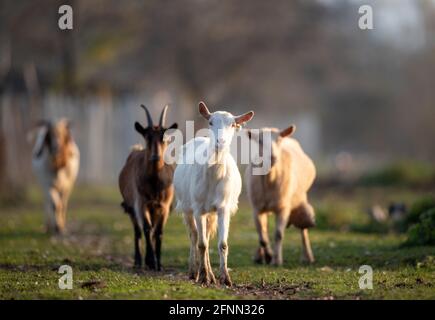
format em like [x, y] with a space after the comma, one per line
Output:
[210, 123]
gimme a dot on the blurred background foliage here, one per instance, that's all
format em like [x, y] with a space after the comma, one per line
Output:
[363, 101]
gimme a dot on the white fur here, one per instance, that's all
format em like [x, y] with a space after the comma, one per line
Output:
[206, 188]
[202, 188]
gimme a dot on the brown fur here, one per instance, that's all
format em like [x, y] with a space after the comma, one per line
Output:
[65, 149]
[146, 187]
[59, 142]
[154, 187]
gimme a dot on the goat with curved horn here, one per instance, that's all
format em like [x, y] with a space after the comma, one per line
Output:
[150, 120]
[163, 116]
[146, 187]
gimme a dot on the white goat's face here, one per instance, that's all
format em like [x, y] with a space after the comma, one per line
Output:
[268, 142]
[222, 125]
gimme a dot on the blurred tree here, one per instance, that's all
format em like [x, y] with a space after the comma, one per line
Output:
[282, 59]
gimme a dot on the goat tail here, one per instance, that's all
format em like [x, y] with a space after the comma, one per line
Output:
[211, 224]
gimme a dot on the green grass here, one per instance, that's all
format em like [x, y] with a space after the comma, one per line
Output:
[99, 247]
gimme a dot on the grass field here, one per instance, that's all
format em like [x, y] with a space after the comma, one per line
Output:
[99, 248]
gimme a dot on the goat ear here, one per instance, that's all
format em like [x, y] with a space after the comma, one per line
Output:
[174, 126]
[42, 138]
[139, 128]
[244, 117]
[288, 132]
[203, 110]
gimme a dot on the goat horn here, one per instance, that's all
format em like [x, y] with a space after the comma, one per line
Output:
[163, 116]
[150, 120]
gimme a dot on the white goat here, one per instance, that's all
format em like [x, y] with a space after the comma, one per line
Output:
[204, 189]
[55, 161]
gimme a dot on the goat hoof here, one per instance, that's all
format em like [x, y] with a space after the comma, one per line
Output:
[151, 267]
[151, 264]
[204, 281]
[212, 278]
[307, 260]
[57, 232]
[268, 258]
[206, 278]
[276, 263]
[258, 260]
[193, 276]
[259, 256]
[226, 280]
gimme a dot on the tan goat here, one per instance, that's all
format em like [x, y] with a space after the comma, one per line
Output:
[283, 190]
[55, 161]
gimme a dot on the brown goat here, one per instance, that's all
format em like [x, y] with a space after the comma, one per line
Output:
[55, 161]
[146, 187]
[283, 190]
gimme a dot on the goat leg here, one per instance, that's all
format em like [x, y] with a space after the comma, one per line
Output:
[307, 253]
[264, 253]
[158, 235]
[56, 223]
[137, 241]
[281, 223]
[206, 275]
[223, 228]
[150, 258]
[193, 255]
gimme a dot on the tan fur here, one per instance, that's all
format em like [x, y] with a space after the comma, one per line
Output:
[282, 191]
[66, 148]
[57, 170]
